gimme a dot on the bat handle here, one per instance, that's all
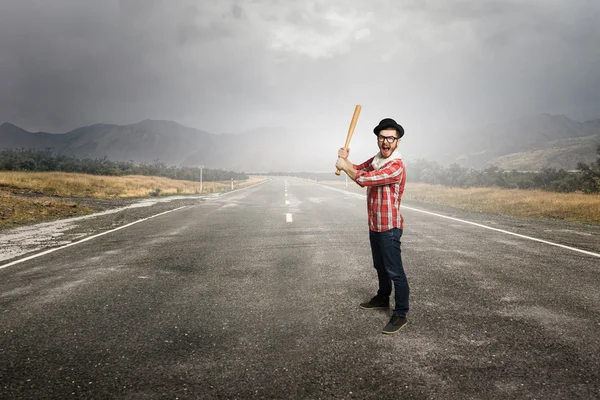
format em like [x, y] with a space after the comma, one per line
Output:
[351, 129]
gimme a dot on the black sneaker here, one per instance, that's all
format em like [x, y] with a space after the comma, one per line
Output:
[395, 324]
[376, 303]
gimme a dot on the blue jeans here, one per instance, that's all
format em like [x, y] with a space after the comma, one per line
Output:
[387, 260]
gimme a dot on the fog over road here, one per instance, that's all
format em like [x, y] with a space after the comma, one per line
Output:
[255, 293]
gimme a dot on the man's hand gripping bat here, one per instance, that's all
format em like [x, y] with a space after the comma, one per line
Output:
[351, 129]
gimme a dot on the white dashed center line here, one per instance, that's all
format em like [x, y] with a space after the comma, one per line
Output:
[288, 216]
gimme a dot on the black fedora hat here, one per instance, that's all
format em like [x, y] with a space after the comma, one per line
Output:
[388, 123]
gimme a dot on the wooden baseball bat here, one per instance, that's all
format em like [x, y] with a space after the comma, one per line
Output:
[351, 129]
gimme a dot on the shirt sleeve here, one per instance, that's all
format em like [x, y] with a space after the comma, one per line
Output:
[366, 166]
[390, 173]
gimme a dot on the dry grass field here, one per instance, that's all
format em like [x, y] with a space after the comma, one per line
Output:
[520, 203]
[18, 209]
[38, 196]
[104, 187]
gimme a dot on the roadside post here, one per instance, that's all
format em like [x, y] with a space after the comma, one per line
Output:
[201, 166]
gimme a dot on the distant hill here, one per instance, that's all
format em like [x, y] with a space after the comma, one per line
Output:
[145, 141]
[11, 136]
[529, 143]
[562, 153]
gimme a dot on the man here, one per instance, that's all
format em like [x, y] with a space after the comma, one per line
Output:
[383, 175]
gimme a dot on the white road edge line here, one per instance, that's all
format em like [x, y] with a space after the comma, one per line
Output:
[121, 227]
[43, 253]
[288, 217]
[589, 253]
[507, 232]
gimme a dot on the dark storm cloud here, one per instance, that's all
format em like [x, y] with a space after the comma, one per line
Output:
[235, 65]
[117, 63]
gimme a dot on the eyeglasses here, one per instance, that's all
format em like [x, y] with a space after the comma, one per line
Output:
[389, 139]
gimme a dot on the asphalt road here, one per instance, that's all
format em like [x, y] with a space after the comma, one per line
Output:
[254, 294]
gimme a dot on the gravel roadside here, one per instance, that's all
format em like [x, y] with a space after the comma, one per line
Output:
[26, 240]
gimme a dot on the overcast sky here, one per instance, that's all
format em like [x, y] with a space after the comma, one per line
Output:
[231, 66]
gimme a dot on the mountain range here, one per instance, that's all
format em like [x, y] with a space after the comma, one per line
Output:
[170, 143]
[529, 143]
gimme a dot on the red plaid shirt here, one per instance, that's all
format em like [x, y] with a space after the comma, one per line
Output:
[384, 193]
